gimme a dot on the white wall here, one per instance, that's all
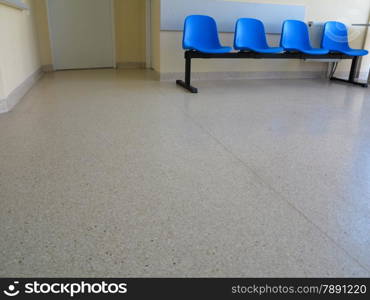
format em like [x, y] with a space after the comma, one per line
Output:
[355, 11]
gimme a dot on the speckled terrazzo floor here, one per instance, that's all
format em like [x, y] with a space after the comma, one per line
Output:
[111, 173]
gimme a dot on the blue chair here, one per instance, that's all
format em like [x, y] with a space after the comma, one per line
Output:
[200, 34]
[295, 37]
[335, 39]
[250, 35]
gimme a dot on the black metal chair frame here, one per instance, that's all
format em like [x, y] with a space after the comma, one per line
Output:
[189, 55]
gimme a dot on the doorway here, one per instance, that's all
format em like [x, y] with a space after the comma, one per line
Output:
[82, 34]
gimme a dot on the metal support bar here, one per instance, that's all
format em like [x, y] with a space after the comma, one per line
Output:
[187, 83]
[189, 55]
[188, 70]
[286, 55]
[363, 84]
[352, 75]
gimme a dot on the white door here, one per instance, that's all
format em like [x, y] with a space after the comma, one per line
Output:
[81, 33]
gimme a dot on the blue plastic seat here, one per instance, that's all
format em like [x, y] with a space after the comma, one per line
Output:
[250, 35]
[200, 34]
[335, 39]
[295, 37]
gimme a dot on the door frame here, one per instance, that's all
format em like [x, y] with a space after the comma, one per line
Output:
[148, 34]
[113, 28]
[363, 71]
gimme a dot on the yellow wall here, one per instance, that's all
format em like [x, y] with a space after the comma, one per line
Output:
[354, 11]
[43, 32]
[130, 30]
[19, 51]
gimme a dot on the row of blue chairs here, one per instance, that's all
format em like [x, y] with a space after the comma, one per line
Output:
[201, 34]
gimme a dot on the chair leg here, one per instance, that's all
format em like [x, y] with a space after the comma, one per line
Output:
[187, 83]
[352, 75]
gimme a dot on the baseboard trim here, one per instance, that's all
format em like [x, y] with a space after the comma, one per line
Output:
[361, 76]
[244, 75]
[18, 93]
[47, 68]
[131, 65]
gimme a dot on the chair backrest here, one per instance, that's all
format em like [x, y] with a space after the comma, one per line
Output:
[250, 33]
[295, 35]
[200, 31]
[335, 36]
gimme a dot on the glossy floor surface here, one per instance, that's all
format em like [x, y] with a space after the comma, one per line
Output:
[111, 173]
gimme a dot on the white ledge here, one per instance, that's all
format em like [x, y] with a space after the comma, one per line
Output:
[18, 4]
[365, 25]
